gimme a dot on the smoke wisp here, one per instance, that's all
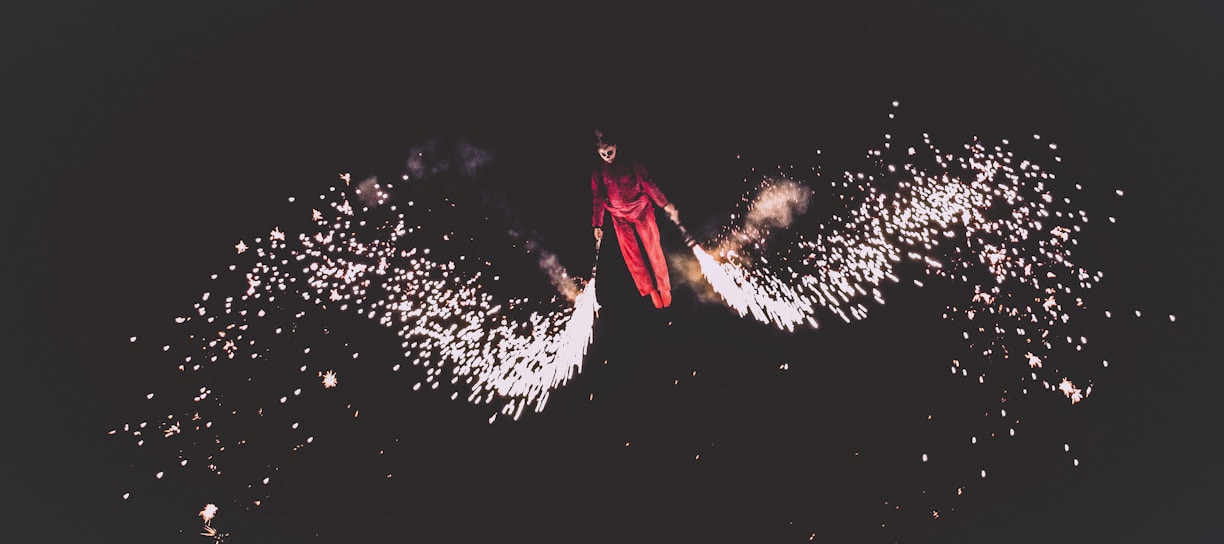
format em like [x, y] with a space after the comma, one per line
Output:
[434, 157]
[463, 159]
[778, 203]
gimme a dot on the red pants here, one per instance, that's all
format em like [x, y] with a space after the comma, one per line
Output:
[639, 243]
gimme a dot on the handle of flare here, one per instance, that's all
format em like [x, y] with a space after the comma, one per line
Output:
[688, 238]
[595, 261]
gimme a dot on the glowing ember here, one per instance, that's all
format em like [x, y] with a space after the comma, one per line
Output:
[329, 379]
[1070, 390]
[209, 511]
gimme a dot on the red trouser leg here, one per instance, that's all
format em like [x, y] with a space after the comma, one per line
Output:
[648, 230]
[636, 253]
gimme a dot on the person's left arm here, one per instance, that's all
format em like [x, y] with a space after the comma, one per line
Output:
[656, 195]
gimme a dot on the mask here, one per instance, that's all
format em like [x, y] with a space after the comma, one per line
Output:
[607, 153]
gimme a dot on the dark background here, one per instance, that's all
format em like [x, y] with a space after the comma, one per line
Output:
[141, 141]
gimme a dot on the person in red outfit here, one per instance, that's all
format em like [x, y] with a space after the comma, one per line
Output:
[625, 191]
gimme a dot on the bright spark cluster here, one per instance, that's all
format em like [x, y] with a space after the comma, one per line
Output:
[509, 353]
[449, 325]
[980, 217]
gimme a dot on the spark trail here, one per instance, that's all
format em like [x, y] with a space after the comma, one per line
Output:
[980, 217]
[374, 263]
[448, 323]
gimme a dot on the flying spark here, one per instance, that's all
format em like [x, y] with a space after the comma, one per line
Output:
[980, 218]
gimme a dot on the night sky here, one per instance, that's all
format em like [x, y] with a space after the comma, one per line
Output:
[141, 143]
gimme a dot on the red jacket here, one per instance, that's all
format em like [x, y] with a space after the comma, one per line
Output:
[624, 190]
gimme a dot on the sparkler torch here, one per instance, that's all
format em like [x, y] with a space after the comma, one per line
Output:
[595, 265]
[688, 238]
[594, 268]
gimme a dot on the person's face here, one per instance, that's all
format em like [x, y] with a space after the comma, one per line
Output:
[607, 153]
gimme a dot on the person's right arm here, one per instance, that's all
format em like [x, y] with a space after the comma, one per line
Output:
[599, 204]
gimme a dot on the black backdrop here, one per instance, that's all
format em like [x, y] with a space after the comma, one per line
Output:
[141, 141]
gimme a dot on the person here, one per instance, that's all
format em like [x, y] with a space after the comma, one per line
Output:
[624, 190]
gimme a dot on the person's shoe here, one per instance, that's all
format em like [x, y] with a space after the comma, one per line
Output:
[665, 296]
[657, 299]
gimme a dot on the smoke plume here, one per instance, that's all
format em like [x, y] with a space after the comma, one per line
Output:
[777, 204]
[370, 193]
[551, 266]
[460, 158]
[436, 157]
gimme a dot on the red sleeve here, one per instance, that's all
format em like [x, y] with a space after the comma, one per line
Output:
[599, 199]
[648, 185]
